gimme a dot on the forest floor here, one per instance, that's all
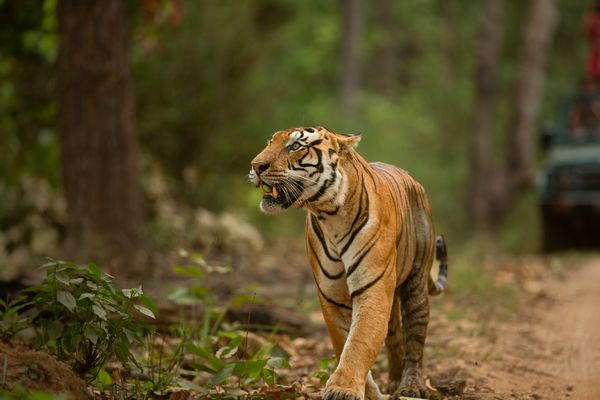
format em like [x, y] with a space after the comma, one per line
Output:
[507, 328]
[533, 333]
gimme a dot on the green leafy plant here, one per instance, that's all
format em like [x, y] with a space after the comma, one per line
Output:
[207, 310]
[11, 322]
[225, 364]
[199, 298]
[222, 354]
[84, 319]
[326, 368]
[163, 363]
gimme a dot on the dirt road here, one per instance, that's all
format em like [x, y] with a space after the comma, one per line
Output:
[552, 350]
[546, 348]
[573, 326]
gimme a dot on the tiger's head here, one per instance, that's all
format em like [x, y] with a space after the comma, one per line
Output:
[300, 167]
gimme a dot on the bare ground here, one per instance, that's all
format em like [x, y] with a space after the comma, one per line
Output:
[550, 349]
[553, 351]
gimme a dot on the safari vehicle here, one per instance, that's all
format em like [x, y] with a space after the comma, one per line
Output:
[569, 184]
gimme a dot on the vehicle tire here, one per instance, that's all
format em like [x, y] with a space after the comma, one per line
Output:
[555, 236]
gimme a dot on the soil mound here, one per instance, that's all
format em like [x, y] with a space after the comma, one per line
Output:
[37, 371]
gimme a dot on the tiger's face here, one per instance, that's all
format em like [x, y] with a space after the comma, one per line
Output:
[299, 167]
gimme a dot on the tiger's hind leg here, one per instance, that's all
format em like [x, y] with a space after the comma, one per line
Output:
[394, 342]
[415, 317]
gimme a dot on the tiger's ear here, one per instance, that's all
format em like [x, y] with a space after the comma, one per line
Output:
[347, 142]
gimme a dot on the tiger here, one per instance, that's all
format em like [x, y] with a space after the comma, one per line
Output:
[370, 243]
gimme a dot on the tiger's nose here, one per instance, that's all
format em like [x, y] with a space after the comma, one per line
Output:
[260, 167]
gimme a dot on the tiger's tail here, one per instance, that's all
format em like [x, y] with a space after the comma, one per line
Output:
[441, 254]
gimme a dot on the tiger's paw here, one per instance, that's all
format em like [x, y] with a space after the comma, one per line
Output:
[332, 392]
[393, 386]
[412, 385]
[343, 386]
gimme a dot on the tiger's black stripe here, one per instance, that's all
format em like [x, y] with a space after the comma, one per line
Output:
[326, 184]
[363, 222]
[360, 216]
[358, 292]
[335, 303]
[416, 338]
[416, 311]
[390, 178]
[332, 212]
[356, 263]
[297, 168]
[359, 212]
[325, 272]
[422, 324]
[318, 165]
[392, 183]
[321, 237]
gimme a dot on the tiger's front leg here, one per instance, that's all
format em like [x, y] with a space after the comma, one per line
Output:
[338, 320]
[371, 291]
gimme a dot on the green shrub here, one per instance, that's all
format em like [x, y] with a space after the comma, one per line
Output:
[11, 322]
[84, 319]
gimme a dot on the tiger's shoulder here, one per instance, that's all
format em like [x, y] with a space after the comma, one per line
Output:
[396, 175]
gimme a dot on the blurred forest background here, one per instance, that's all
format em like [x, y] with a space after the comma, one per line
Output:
[201, 86]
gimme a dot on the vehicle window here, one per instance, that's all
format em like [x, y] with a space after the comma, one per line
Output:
[582, 123]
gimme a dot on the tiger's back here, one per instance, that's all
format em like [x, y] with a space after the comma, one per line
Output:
[415, 218]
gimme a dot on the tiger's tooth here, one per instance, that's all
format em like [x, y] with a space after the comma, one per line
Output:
[274, 192]
[266, 189]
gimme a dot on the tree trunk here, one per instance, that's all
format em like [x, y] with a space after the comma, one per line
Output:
[450, 11]
[383, 66]
[537, 39]
[97, 131]
[495, 189]
[489, 47]
[351, 65]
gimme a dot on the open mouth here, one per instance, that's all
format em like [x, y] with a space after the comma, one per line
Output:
[268, 190]
[283, 194]
[277, 194]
